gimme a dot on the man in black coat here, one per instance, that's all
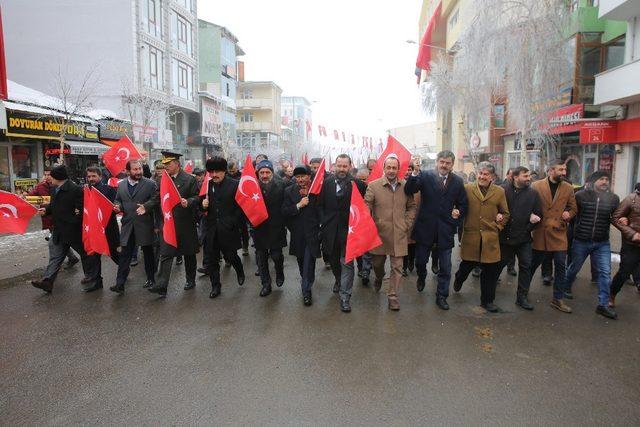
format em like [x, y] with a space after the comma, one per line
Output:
[333, 203]
[112, 232]
[222, 217]
[443, 205]
[302, 220]
[270, 236]
[184, 216]
[515, 238]
[66, 210]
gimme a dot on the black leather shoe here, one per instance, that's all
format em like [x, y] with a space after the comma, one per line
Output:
[345, 306]
[179, 260]
[133, 263]
[86, 280]
[96, 286]
[204, 271]
[148, 284]
[44, 284]
[241, 279]
[491, 307]
[279, 281]
[457, 285]
[266, 290]
[523, 302]
[257, 274]
[476, 272]
[189, 286]
[405, 273]
[365, 281]
[215, 291]
[605, 311]
[512, 271]
[546, 281]
[568, 295]
[307, 300]
[435, 269]
[360, 274]
[119, 289]
[70, 263]
[420, 284]
[442, 303]
[336, 287]
[155, 289]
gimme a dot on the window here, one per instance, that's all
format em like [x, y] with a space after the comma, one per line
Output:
[246, 117]
[182, 30]
[183, 79]
[153, 75]
[246, 94]
[152, 12]
[228, 90]
[614, 53]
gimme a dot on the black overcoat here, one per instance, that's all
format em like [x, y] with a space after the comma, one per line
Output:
[272, 234]
[303, 224]
[223, 215]
[67, 223]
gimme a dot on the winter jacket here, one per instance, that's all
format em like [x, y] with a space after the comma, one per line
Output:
[630, 209]
[522, 203]
[594, 215]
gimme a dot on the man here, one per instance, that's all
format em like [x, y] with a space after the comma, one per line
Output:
[65, 210]
[371, 163]
[515, 238]
[363, 262]
[596, 205]
[112, 232]
[232, 171]
[334, 202]
[443, 205]
[511, 266]
[136, 199]
[199, 174]
[270, 236]
[303, 223]
[558, 204]
[45, 189]
[223, 217]
[393, 212]
[627, 219]
[185, 225]
[488, 211]
[314, 164]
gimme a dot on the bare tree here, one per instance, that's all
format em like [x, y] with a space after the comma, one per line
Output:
[514, 49]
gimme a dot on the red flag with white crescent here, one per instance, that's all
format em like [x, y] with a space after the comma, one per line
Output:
[115, 158]
[394, 149]
[169, 199]
[363, 233]
[15, 213]
[249, 195]
[318, 180]
[204, 188]
[100, 211]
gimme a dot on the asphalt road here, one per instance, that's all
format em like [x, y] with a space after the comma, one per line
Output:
[86, 359]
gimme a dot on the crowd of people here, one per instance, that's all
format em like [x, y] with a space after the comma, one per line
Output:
[418, 217]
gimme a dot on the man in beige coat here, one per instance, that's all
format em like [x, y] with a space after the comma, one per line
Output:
[488, 212]
[550, 238]
[393, 212]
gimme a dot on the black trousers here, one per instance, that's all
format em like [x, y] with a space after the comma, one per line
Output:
[488, 278]
[166, 262]
[124, 261]
[263, 256]
[629, 261]
[214, 253]
[524, 252]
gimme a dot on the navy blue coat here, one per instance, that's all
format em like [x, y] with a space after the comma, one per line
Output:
[434, 223]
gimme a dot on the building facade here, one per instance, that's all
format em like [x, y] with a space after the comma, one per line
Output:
[297, 120]
[420, 139]
[141, 56]
[259, 118]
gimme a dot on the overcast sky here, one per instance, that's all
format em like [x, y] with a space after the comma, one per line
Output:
[350, 56]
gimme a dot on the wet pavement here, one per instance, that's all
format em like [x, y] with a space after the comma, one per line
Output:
[82, 359]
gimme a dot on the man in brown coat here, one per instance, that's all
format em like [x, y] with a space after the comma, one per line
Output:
[486, 216]
[393, 211]
[550, 237]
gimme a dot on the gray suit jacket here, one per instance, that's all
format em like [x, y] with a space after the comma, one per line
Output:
[146, 194]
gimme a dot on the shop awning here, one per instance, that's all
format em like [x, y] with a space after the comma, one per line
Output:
[86, 148]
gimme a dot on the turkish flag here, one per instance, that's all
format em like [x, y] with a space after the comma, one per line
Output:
[86, 226]
[363, 233]
[113, 182]
[394, 149]
[169, 199]
[204, 188]
[116, 157]
[316, 184]
[100, 211]
[304, 159]
[15, 213]
[188, 168]
[249, 195]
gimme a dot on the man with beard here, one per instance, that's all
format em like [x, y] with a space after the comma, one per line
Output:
[333, 203]
[314, 164]
[443, 205]
[185, 225]
[480, 245]
[550, 238]
[223, 216]
[233, 172]
[515, 238]
[393, 212]
[302, 220]
[270, 236]
[94, 179]
[596, 205]
[136, 199]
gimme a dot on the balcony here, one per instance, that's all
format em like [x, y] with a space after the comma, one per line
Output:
[619, 85]
[255, 126]
[255, 104]
[618, 10]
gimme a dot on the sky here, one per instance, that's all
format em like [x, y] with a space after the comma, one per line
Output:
[350, 57]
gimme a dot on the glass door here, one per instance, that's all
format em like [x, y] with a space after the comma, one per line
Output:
[5, 172]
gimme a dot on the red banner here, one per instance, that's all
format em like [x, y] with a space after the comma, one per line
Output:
[566, 119]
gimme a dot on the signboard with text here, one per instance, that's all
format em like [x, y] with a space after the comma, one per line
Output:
[29, 125]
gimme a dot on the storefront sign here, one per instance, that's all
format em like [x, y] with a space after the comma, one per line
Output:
[562, 99]
[28, 125]
[164, 141]
[211, 119]
[79, 149]
[114, 129]
[24, 184]
[566, 119]
[56, 151]
[145, 135]
[598, 132]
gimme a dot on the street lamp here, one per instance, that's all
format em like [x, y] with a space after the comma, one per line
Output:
[427, 45]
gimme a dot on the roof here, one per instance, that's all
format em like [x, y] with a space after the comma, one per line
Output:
[257, 82]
